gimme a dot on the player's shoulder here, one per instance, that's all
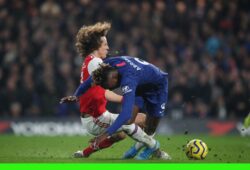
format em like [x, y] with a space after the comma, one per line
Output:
[93, 64]
[95, 60]
[117, 59]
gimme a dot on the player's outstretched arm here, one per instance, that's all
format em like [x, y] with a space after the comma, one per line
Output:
[113, 97]
[83, 87]
[124, 116]
[69, 99]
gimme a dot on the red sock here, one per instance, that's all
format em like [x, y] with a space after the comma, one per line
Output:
[104, 144]
[87, 151]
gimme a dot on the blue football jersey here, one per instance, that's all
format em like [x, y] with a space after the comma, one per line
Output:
[138, 78]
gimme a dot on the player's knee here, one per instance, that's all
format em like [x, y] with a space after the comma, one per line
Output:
[118, 136]
[131, 119]
[140, 120]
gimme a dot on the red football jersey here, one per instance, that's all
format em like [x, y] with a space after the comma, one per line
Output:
[93, 102]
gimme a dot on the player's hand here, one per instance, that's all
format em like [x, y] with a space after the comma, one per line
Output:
[69, 99]
[95, 142]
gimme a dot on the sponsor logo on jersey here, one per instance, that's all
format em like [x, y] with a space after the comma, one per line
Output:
[120, 64]
[126, 89]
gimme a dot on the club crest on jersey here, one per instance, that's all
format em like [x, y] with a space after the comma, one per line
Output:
[126, 89]
[163, 106]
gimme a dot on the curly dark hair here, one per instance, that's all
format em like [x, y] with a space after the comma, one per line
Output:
[88, 38]
[100, 75]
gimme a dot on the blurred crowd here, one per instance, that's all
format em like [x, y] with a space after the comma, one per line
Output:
[204, 45]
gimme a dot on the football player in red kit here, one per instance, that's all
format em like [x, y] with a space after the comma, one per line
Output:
[91, 42]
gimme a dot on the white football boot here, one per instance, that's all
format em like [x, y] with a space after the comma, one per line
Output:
[78, 154]
[162, 155]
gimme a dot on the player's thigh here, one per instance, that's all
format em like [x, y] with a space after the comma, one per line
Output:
[118, 136]
[97, 126]
[156, 103]
[91, 127]
[112, 117]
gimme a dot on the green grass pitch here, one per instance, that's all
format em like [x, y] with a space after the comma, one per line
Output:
[226, 149]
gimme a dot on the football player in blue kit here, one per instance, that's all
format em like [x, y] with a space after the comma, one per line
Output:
[142, 84]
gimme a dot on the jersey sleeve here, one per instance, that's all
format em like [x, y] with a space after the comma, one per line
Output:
[94, 64]
[83, 87]
[128, 91]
